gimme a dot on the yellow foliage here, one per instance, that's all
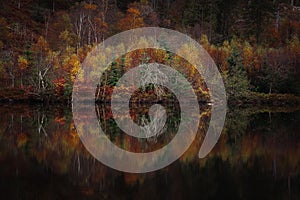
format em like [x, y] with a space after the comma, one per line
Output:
[75, 66]
[72, 65]
[22, 62]
[204, 41]
[247, 55]
[41, 45]
[67, 37]
[294, 45]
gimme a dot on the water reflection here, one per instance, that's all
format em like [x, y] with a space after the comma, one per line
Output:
[42, 157]
[139, 114]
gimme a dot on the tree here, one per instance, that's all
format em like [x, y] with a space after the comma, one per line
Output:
[4, 31]
[23, 64]
[72, 65]
[8, 65]
[236, 81]
[148, 14]
[202, 13]
[132, 19]
[44, 62]
[276, 71]
[68, 39]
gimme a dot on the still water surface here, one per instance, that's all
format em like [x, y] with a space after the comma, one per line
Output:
[42, 157]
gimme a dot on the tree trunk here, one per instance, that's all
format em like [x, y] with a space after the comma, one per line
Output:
[277, 20]
[104, 88]
[12, 79]
[47, 19]
[39, 80]
[21, 79]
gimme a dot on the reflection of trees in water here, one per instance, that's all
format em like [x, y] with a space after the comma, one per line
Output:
[139, 114]
[252, 146]
[272, 143]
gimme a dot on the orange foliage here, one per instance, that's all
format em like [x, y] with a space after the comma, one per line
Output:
[22, 139]
[132, 179]
[22, 63]
[60, 120]
[133, 19]
[59, 85]
[90, 6]
[41, 46]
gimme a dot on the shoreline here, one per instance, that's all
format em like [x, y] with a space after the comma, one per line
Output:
[17, 95]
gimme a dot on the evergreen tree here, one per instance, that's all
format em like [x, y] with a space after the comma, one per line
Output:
[236, 81]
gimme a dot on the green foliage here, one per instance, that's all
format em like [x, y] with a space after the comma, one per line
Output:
[236, 81]
[114, 74]
[68, 87]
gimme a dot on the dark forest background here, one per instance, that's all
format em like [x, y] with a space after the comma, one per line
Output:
[254, 43]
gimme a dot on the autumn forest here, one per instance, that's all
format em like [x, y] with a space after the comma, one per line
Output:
[255, 44]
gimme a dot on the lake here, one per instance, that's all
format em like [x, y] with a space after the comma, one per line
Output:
[256, 157]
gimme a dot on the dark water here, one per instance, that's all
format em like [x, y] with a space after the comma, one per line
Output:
[42, 157]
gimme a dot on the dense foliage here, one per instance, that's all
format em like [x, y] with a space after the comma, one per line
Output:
[255, 44]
